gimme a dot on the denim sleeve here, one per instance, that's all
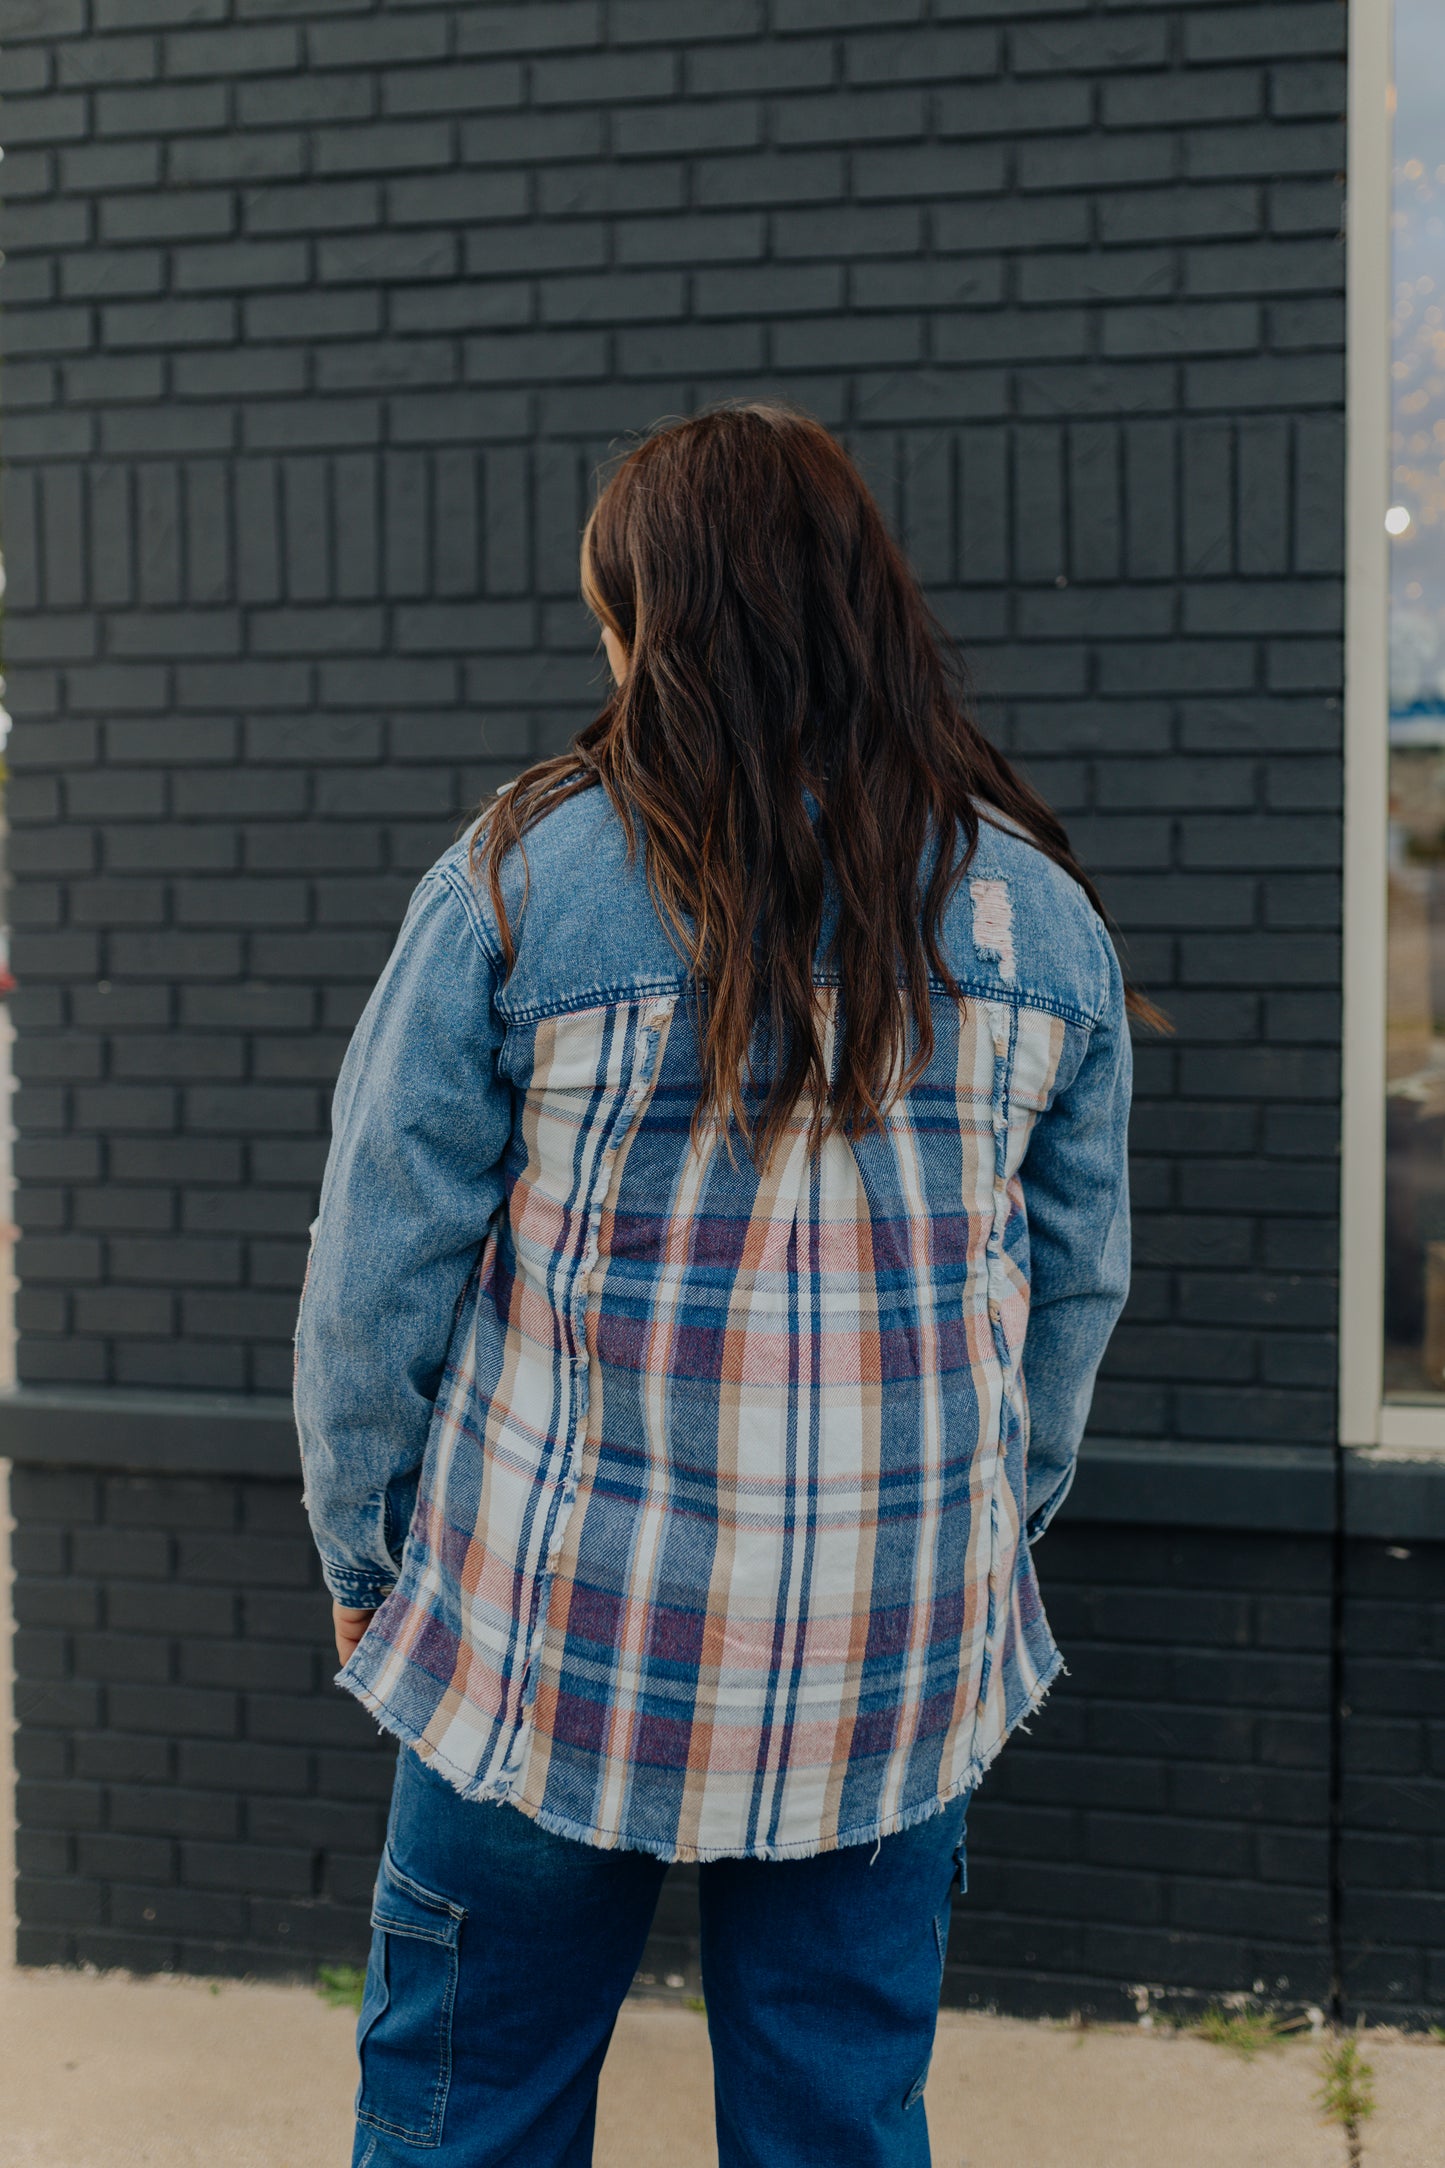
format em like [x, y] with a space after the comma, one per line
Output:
[420, 1123]
[1076, 1194]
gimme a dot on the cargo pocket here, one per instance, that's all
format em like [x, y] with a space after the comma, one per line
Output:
[404, 2032]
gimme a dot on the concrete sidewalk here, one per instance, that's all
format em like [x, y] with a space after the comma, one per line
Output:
[109, 2072]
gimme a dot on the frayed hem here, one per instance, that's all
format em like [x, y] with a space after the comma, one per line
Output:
[1047, 1679]
[700, 1855]
[393, 1722]
[498, 1791]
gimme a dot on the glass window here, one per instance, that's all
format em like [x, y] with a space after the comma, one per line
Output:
[1415, 1040]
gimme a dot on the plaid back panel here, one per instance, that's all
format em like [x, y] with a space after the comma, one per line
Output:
[718, 1543]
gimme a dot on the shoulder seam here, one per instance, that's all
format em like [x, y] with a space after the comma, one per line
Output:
[1106, 953]
[448, 876]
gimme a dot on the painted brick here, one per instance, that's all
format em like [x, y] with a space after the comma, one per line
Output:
[1072, 277]
[1227, 1847]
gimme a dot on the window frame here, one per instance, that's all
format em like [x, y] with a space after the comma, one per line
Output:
[1365, 1419]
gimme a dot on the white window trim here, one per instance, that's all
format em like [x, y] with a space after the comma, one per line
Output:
[1364, 1420]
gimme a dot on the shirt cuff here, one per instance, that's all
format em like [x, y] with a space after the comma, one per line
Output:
[356, 1591]
[1036, 1522]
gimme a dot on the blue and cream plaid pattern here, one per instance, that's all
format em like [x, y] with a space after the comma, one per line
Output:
[718, 1547]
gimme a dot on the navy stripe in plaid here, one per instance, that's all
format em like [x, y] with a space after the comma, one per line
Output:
[719, 1543]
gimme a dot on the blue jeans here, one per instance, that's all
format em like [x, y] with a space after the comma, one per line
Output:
[500, 1956]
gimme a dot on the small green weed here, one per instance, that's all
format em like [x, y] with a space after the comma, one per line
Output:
[341, 1985]
[695, 2002]
[1347, 2094]
[1246, 2031]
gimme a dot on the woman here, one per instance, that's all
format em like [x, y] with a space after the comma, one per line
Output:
[738, 1124]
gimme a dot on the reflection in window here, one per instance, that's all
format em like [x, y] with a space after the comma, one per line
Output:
[1415, 1044]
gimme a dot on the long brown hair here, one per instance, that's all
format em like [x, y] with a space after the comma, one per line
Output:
[779, 642]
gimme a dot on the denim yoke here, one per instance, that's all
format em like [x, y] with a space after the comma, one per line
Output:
[697, 1505]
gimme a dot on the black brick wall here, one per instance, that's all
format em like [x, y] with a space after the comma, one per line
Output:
[317, 318]
[195, 1793]
[192, 1792]
[1392, 1853]
[318, 315]
[1165, 1825]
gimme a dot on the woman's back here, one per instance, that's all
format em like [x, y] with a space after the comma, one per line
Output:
[725, 1215]
[719, 1540]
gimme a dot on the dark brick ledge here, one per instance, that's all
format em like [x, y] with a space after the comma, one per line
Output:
[1284, 1489]
[230, 1434]
[1395, 1497]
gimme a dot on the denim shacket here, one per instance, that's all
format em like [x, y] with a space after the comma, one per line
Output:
[696, 1503]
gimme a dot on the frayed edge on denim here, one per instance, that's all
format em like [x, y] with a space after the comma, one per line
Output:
[562, 1825]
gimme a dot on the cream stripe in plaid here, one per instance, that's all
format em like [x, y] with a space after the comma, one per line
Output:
[718, 1546]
